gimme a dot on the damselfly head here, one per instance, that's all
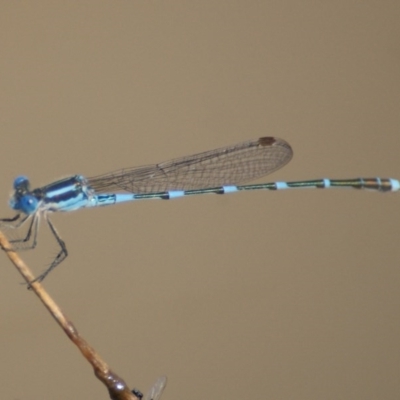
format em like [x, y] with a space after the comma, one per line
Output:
[23, 200]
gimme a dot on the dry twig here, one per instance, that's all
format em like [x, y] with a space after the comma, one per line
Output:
[116, 386]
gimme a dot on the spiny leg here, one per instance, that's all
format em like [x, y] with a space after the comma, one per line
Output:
[61, 256]
[33, 228]
[13, 219]
[16, 222]
[18, 219]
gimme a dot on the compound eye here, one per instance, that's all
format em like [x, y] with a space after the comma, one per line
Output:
[21, 182]
[28, 204]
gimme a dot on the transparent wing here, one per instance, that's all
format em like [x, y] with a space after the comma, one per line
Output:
[229, 165]
[156, 390]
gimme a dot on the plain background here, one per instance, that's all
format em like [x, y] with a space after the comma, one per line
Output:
[272, 295]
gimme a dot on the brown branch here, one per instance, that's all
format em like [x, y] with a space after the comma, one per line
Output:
[116, 386]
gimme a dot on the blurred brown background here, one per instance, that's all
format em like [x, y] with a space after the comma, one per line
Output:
[272, 295]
